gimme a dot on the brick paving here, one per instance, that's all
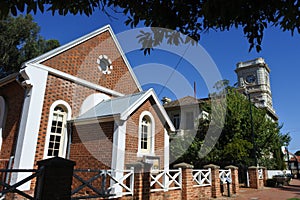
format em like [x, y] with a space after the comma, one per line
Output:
[268, 193]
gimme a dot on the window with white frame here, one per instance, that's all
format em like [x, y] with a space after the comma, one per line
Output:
[57, 132]
[146, 134]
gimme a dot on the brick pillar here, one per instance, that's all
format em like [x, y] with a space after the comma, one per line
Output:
[265, 174]
[56, 181]
[138, 180]
[146, 181]
[215, 180]
[142, 180]
[255, 182]
[235, 187]
[187, 180]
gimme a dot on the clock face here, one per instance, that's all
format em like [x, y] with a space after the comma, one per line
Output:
[250, 79]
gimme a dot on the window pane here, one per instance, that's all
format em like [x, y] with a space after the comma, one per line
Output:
[145, 136]
[51, 145]
[56, 146]
[58, 130]
[55, 153]
[49, 152]
[144, 129]
[57, 139]
[59, 124]
[53, 129]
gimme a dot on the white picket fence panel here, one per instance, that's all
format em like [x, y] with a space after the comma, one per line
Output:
[201, 177]
[260, 173]
[128, 175]
[166, 180]
[225, 174]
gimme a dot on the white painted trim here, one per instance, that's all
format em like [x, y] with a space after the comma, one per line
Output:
[118, 153]
[35, 84]
[166, 150]
[96, 119]
[152, 122]
[2, 114]
[50, 118]
[76, 80]
[141, 100]
[82, 39]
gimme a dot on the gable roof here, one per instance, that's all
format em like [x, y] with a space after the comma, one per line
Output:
[184, 101]
[38, 60]
[123, 107]
[7, 79]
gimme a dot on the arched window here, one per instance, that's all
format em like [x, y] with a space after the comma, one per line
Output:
[146, 133]
[56, 141]
[2, 114]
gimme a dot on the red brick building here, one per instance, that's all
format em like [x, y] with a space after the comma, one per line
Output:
[81, 101]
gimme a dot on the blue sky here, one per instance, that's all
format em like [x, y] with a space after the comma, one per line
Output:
[280, 50]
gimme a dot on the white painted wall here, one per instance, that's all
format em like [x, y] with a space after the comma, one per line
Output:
[118, 153]
[271, 173]
[35, 81]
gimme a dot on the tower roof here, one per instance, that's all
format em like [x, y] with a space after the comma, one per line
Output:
[252, 63]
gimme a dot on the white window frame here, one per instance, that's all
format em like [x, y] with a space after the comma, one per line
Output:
[2, 114]
[65, 133]
[142, 152]
[146, 125]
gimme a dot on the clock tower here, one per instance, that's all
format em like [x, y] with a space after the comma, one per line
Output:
[254, 79]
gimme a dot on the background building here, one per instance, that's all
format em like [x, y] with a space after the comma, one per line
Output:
[254, 79]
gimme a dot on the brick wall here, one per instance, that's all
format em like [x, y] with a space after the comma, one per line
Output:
[59, 89]
[91, 146]
[81, 61]
[132, 137]
[13, 95]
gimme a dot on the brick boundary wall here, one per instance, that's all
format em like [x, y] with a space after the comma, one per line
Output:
[254, 180]
[142, 182]
[188, 191]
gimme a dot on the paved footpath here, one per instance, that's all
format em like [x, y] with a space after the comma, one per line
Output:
[268, 193]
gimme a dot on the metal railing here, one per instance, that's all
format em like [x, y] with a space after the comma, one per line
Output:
[93, 183]
[201, 177]
[12, 188]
